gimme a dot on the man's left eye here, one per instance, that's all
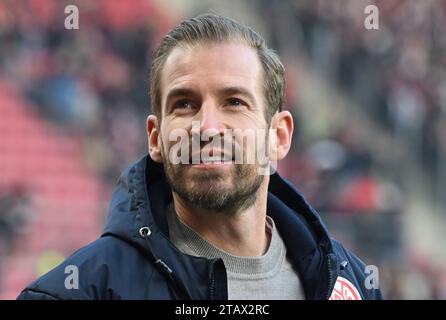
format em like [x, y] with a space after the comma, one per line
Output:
[235, 102]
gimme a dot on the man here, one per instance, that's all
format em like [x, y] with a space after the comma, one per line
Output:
[211, 225]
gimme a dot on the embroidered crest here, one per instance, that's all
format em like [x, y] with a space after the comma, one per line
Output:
[344, 290]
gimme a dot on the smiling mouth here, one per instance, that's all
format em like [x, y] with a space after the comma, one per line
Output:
[215, 157]
[213, 162]
[209, 162]
[211, 165]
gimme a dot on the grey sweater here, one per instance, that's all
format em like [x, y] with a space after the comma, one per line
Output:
[267, 277]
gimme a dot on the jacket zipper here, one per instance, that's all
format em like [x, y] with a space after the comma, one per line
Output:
[330, 279]
[212, 287]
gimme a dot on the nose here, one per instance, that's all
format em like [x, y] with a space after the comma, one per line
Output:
[210, 118]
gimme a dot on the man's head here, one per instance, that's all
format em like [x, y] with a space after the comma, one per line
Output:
[208, 29]
[213, 71]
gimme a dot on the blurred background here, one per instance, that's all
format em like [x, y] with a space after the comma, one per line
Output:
[369, 149]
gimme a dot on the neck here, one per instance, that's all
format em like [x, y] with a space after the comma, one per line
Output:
[242, 233]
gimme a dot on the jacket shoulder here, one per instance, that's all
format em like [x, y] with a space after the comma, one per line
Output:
[365, 278]
[84, 275]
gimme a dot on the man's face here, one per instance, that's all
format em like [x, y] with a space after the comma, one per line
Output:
[218, 86]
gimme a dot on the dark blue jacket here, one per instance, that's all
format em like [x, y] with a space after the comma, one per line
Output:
[134, 258]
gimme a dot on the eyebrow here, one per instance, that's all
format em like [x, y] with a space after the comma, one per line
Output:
[180, 92]
[238, 90]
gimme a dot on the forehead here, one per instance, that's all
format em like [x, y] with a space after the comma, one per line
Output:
[212, 65]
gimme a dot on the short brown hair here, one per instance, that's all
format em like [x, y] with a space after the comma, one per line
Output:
[216, 28]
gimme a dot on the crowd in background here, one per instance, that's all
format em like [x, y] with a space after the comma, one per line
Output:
[93, 82]
[396, 75]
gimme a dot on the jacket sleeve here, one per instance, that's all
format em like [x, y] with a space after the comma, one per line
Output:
[88, 268]
[29, 294]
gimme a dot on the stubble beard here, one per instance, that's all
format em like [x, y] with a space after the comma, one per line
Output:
[222, 191]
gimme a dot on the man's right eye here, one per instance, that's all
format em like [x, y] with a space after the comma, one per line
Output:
[183, 104]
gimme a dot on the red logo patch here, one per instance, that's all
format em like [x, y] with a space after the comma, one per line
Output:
[344, 290]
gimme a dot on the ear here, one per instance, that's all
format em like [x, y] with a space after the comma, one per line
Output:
[154, 139]
[282, 126]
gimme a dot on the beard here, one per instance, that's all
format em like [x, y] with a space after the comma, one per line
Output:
[229, 190]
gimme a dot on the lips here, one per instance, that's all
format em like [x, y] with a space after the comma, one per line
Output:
[211, 157]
